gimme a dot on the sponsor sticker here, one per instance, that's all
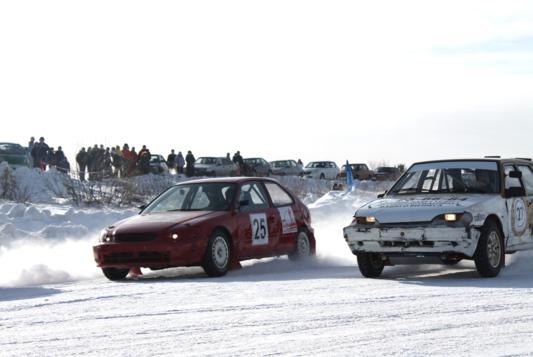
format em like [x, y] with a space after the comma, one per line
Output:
[259, 228]
[288, 221]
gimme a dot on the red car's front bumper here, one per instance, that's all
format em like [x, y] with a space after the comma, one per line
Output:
[152, 255]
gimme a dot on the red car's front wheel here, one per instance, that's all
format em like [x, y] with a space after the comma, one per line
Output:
[217, 255]
[115, 273]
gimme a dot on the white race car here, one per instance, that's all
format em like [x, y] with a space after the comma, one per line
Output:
[446, 211]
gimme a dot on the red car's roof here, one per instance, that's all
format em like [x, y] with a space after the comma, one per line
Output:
[238, 179]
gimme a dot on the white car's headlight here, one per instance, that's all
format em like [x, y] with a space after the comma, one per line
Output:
[464, 218]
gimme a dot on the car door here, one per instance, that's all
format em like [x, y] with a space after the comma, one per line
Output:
[259, 225]
[284, 204]
[518, 207]
[527, 181]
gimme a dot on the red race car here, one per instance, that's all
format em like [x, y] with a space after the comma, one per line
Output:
[213, 223]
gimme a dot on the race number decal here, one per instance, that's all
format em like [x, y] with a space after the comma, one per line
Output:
[259, 228]
[288, 222]
[519, 217]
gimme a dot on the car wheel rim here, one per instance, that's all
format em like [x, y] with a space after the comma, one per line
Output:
[303, 245]
[494, 249]
[220, 252]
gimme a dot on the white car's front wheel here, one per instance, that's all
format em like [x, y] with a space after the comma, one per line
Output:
[490, 251]
[370, 264]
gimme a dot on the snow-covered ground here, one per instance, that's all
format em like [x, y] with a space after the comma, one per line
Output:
[53, 301]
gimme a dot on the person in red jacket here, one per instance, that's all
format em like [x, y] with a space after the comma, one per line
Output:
[129, 161]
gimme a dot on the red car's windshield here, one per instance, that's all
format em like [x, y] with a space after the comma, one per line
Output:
[194, 197]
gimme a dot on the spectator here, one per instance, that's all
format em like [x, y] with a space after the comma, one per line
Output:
[61, 161]
[31, 144]
[117, 160]
[107, 163]
[171, 160]
[91, 162]
[300, 163]
[135, 158]
[144, 160]
[129, 161]
[81, 159]
[180, 163]
[50, 158]
[39, 153]
[190, 164]
[238, 160]
[142, 150]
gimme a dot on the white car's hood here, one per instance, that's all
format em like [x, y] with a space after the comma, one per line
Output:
[420, 208]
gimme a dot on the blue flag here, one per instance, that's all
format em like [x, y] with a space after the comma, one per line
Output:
[349, 176]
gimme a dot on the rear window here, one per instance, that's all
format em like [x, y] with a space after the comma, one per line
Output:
[278, 195]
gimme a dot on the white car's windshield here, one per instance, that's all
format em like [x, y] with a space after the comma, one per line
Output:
[449, 177]
[194, 197]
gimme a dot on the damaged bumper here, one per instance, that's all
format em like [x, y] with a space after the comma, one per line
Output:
[412, 241]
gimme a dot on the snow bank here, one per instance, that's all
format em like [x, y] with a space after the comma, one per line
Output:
[50, 244]
[32, 185]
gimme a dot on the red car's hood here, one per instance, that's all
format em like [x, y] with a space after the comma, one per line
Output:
[156, 222]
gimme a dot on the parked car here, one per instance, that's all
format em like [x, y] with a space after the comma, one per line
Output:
[359, 172]
[323, 170]
[158, 164]
[213, 223]
[256, 166]
[384, 173]
[215, 167]
[286, 168]
[14, 154]
[446, 211]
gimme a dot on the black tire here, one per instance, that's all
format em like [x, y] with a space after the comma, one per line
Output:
[370, 264]
[115, 273]
[303, 247]
[217, 255]
[490, 252]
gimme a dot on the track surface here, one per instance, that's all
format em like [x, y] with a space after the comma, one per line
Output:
[276, 307]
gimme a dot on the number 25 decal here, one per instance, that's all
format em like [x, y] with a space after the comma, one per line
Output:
[259, 229]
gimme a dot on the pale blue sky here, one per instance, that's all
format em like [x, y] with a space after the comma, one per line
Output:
[364, 81]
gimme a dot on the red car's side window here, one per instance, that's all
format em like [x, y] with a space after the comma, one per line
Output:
[278, 195]
[254, 196]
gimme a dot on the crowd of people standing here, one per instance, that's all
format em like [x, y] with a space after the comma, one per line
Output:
[98, 162]
[41, 155]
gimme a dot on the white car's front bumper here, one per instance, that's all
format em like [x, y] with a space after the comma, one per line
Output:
[412, 240]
